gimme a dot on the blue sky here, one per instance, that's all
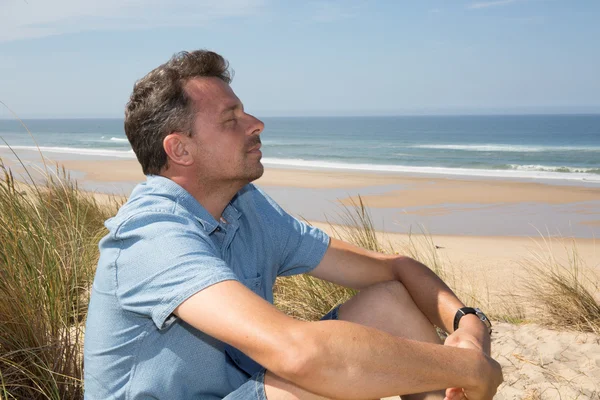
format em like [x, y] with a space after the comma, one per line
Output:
[76, 58]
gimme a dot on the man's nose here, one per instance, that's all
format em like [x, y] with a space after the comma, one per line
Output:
[256, 125]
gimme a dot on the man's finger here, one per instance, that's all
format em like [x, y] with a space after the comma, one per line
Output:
[455, 394]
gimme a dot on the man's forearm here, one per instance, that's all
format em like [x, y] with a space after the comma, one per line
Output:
[433, 297]
[351, 361]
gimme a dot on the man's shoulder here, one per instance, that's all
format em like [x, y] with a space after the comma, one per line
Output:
[147, 209]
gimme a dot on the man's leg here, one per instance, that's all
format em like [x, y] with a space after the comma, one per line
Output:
[386, 306]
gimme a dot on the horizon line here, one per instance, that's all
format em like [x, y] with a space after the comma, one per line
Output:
[497, 114]
[357, 115]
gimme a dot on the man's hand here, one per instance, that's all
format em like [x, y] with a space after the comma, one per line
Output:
[490, 379]
[472, 334]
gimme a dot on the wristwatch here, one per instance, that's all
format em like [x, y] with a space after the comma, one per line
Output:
[469, 310]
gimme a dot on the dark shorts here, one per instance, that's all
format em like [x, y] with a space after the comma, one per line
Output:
[254, 388]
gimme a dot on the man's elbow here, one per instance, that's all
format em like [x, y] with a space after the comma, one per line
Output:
[298, 357]
[402, 259]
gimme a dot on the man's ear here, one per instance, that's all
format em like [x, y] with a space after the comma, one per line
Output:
[176, 146]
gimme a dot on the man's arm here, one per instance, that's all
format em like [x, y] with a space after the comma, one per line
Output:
[334, 358]
[353, 267]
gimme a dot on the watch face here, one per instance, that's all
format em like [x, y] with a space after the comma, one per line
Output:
[483, 317]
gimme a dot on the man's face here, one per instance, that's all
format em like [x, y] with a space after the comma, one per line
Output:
[225, 141]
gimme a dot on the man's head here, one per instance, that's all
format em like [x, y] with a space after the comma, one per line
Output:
[225, 146]
[185, 100]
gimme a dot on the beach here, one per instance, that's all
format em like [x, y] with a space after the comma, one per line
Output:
[538, 362]
[462, 135]
[483, 233]
[485, 227]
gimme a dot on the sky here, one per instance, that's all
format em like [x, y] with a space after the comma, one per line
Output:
[80, 58]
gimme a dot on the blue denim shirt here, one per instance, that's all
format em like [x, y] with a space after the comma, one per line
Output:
[162, 247]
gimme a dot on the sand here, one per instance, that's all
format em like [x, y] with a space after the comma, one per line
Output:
[538, 363]
[500, 260]
[401, 203]
[421, 191]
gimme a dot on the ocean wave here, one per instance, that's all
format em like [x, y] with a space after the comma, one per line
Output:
[546, 168]
[116, 139]
[498, 173]
[505, 148]
[75, 150]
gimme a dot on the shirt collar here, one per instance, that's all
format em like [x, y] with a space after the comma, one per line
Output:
[166, 186]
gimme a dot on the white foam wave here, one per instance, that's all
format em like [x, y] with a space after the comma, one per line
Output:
[78, 151]
[505, 148]
[116, 139]
[546, 168]
[512, 173]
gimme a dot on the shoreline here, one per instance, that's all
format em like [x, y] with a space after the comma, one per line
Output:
[398, 203]
[543, 176]
[88, 164]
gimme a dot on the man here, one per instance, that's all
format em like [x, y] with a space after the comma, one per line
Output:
[181, 306]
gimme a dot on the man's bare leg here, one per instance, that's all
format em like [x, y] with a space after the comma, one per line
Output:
[385, 306]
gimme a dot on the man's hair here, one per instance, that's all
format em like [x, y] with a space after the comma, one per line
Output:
[159, 105]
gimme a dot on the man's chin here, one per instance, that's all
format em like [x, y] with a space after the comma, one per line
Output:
[254, 172]
[257, 172]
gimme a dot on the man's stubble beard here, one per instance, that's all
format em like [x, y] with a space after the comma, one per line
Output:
[257, 172]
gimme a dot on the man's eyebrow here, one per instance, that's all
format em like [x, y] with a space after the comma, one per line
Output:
[232, 108]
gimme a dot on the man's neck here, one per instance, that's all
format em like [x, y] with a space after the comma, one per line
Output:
[214, 197]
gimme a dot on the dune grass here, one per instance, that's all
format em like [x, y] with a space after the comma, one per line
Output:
[308, 298]
[49, 234]
[562, 292]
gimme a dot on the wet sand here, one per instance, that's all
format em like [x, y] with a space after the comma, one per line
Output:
[438, 205]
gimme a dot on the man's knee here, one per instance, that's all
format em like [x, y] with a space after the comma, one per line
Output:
[375, 302]
[384, 294]
[390, 290]
[389, 307]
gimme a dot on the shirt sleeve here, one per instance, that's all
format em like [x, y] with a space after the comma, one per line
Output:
[301, 247]
[163, 260]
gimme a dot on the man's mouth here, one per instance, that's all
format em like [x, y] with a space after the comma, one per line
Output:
[255, 148]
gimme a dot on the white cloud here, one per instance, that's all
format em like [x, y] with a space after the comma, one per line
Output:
[22, 19]
[485, 4]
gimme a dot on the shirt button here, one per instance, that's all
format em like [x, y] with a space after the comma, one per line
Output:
[218, 229]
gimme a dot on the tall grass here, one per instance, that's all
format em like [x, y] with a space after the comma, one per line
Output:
[356, 227]
[48, 250]
[308, 298]
[562, 291]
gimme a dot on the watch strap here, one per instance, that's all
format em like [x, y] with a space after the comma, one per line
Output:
[461, 312]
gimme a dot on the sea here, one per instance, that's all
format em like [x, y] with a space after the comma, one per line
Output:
[539, 147]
